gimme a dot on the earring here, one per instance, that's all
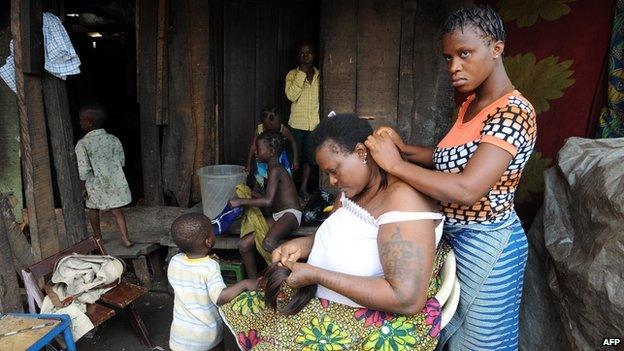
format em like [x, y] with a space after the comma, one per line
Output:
[364, 161]
[496, 56]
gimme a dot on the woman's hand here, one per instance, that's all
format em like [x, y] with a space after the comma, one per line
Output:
[384, 151]
[394, 136]
[301, 274]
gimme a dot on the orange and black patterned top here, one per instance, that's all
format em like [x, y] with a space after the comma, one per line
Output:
[509, 123]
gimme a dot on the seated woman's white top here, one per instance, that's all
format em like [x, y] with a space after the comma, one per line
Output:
[347, 243]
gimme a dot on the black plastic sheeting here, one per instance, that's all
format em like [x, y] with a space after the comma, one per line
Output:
[573, 296]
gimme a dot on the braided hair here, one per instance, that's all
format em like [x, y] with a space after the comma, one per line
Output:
[273, 140]
[481, 17]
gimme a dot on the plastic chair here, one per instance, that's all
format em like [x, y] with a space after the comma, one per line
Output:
[237, 268]
[448, 294]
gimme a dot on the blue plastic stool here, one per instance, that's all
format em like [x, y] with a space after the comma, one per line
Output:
[64, 327]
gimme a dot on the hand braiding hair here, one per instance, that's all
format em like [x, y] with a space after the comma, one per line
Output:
[481, 17]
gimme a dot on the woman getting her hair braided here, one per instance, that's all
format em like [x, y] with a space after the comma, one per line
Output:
[367, 283]
[473, 173]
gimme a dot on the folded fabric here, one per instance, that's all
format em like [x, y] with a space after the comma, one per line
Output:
[225, 219]
[60, 57]
[253, 222]
[86, 277]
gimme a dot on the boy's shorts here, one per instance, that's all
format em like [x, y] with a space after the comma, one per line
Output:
[304, 146]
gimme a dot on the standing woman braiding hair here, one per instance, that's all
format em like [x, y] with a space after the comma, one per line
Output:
[473, 173]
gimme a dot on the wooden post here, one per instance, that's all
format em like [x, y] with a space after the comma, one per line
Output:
[26, 22]
[9, 288]
[62, 140]
[179, 137]
[202, 88]
[147, 18]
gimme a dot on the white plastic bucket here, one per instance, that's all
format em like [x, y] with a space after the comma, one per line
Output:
[218, 185]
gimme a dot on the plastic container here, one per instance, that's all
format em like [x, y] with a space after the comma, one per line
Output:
[218, 185]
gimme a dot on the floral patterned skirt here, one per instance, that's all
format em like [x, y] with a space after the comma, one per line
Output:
[324, 325]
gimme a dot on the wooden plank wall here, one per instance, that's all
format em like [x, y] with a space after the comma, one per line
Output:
[259, 48]
[339, 33]
[178, 88]
[383, 59]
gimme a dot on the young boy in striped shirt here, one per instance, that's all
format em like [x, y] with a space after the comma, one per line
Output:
[198, 286]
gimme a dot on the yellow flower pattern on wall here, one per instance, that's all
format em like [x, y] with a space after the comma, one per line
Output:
[539, 81]
[526, 12]
[532, 180]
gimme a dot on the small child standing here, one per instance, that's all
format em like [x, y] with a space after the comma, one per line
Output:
[280, 196]
[271, 121]
[198, 286]
[101, 159]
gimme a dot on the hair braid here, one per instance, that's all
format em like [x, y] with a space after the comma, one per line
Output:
[481, 17]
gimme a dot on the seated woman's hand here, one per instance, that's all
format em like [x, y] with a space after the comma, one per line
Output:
[301, 274]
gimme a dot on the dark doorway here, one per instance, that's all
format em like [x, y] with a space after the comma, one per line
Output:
[103, 34]
[259, 48]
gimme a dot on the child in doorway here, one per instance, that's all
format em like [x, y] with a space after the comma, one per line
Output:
[271, 121]
[198, 286]
[280, 196]
[101, 159]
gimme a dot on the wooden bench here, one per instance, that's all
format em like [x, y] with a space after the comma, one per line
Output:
[119, 298]
[142, 256]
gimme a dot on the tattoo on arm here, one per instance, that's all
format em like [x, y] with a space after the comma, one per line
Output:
[401, 263]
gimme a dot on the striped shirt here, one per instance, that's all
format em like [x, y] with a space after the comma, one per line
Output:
[197, 284]
[510, 124]
[304, 110]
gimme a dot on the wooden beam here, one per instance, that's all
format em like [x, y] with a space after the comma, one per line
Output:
[34, 139]
[20, 248]
[62, 140]
[162, 116]
[9, 287]
[147, 24]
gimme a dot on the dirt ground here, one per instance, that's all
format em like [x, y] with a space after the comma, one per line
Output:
[156, 310]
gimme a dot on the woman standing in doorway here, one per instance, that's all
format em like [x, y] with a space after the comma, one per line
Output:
[473, 173]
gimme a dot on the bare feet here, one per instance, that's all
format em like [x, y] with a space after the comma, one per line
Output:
[127, 243]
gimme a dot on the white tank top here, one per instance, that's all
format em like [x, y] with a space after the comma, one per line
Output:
[347, 243]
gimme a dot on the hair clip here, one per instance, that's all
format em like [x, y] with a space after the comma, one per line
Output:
[331, 114]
